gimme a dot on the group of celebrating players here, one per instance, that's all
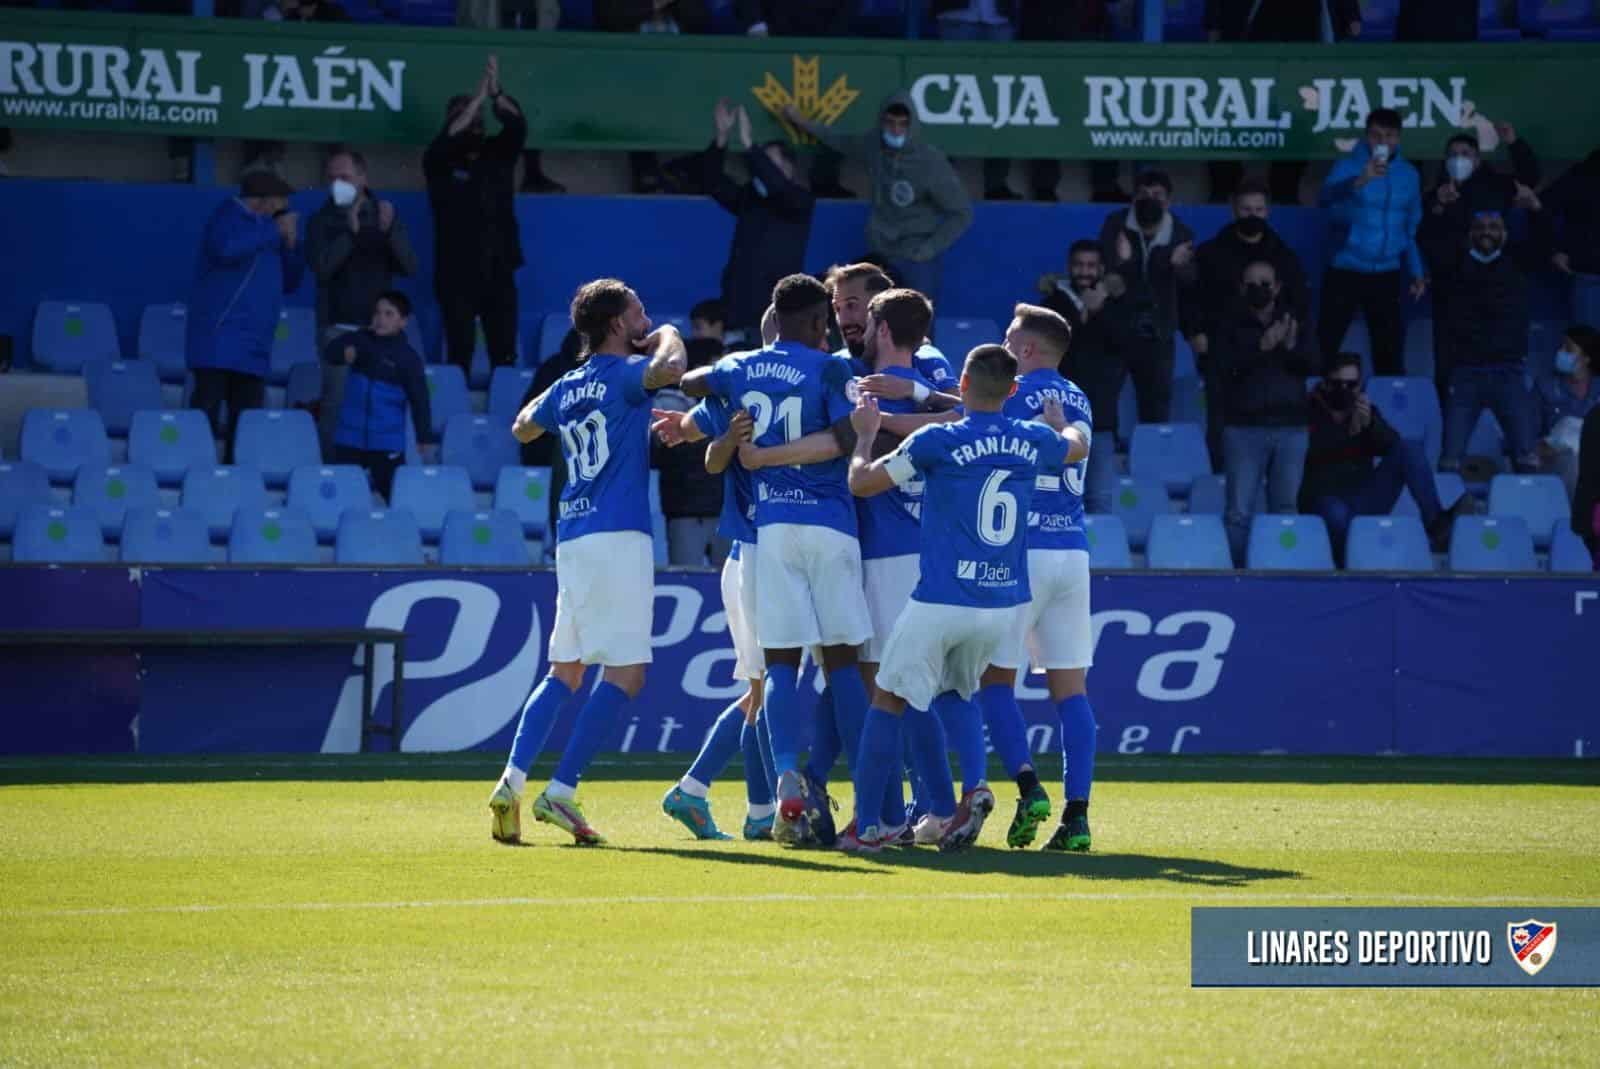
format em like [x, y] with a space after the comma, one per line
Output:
[922, 545]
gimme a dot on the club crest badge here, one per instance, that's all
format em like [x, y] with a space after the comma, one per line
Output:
[1533, 944]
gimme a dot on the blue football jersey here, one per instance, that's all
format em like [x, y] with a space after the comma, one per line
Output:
[602, 412]
[1056, 519]
[792, 391]
[927, 361]
[738, 519]
[980, 474]
[891, 522]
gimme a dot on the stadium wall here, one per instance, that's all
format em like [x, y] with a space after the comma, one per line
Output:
[1194, 664]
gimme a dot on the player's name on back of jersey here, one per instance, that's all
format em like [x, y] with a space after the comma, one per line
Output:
[776, 369]
[590, 391]
[993, 445]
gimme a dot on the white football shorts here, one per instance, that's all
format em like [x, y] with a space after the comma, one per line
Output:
[1054, 631]
[889, 583]
[605, 599]
[935, 648]
[810, 583]
[739, 600]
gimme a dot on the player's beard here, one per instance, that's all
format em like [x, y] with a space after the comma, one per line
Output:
[857, 348]
[869, 351]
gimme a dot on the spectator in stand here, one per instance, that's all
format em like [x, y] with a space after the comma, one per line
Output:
[691, 497]
[313, 11]
[803, 18]
[356, 245]
[1485, 334]
[248, 261]
[1263, 355]
[773, 212]
[1277, 21]
[708, 332]
[1150, 251]
[1468, 184]
[384, 377]
[1347, 434]
[1094, 360]
[1436, 20]
[478, 248]
[1567, 400]
[1574, 203]
[1220, 263]
[919, 207]
[1373, 196]
[650, 16]
[1586, 497]
[541, 15]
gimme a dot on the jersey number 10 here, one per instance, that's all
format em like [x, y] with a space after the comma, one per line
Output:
[586, 445]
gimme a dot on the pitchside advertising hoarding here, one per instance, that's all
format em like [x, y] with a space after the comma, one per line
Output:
[1183, 664]
[320, 82]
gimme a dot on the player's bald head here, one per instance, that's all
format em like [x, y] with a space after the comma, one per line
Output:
[989, 376]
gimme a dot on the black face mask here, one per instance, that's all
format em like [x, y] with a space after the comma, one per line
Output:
[1147, 211]
[1251, 227]
[1340, 395]
[1258, 295]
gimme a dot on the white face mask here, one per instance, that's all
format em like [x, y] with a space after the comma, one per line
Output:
[1460, 168]
[344, 193]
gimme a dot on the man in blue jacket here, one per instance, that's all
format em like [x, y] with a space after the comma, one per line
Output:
[1374, 201]
[247, 263]
[385, 376]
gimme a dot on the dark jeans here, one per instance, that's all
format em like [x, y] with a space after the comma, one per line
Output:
[494, 301]
[380, 466]
[1251, 453]
[1377, 297]
[1149, 362]
[1405, 466]
[215, 388]
[1503, 390]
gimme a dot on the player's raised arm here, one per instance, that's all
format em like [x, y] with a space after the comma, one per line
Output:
[528, 426]
[869, 477]
[720, 453]
[669, 357]
[1054, 416]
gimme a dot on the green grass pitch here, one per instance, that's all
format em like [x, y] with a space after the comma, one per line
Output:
[353, 911]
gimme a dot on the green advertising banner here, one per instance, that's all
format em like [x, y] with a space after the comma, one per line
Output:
[341, 82]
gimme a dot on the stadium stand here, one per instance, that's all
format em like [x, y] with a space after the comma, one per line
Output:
[217, 492]
[1568, 554]
[325, 493]
[271, 536]
[483, 538]
[1447, 484]
[57, 534]
[69, 334]
[165, 536]
[1540, 500]
[1188, 542]
[429, 493]
[507, 387]
[956, 337]
[63, 440]
[294, 342]
[112, 492]
[1173, 454]
[1289, 543]
[1138, 502]
[447, 396]
[22, 483]
[162, 332]
[276, 442]
[304, 386]
[480, 445]
[1411, 405]
[1387, 544]
[1108, 543]
[378, 536]
[552, 332]
[526, 493]
[1491, 544]
[172, 443]
[119, 388]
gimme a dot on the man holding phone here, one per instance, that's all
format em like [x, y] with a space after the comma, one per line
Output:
[1374, 197]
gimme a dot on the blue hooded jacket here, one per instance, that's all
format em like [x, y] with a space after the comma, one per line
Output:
[242, 273]
[1375, 227]
[385, 377]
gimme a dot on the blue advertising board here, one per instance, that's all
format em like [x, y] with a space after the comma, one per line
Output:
[1202, 664]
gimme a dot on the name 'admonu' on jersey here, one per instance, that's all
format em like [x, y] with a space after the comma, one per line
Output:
[980, 474]
[602, 412]
[1056, 519]
[791, 391]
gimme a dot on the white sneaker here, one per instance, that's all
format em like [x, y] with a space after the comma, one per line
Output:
[930, 829]
[505, 808]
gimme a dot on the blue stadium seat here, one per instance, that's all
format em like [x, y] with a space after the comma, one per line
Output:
[552, 332]
[163, 331]
[1487, 439]
[293, 342]
[218, 492]
[1108, 543]
[1568, 554]
[1289, 543]
[1188, 400]
[325, 493]
[378, 536]
[1491, 544]
[956, 337]
[1449, 485]
[172, 443]
[275, 442]
[447, 396]
[1127, 413]
[271, 536]
[57, 534]
[112, 492]
[483, 539]
[1184, 543]
[62, 440]
[525, 492]
[1208, 495]
[1411, 405]
[431, 492]
[507, 387]
[1387, 544]
[22, 483]
[1138, 502]
[481, 445]
[304, 387]
[119, 388]
[1541, 501]
[1173, 454]
[1560, 20]
[69, 334]
[165, 536]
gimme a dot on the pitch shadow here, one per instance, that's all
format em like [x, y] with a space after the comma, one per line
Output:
[1189, 871]
[794, 860]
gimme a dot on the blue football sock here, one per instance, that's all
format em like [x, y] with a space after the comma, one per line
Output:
[539, 714]
[764, 737]
[894, 794]
[963, 727]
[930, 759]
[720, 745]
[1077, 745]
[757, 790]
[849, 707]
[825, 742]
[1000, 709]
[782, 712]
[595, 722]
[878, 760]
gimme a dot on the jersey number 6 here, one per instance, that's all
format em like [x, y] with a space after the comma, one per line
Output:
[997, 511]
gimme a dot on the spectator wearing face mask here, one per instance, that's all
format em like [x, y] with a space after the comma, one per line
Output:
[1574, 205]
[1150, 251]
[355, 246]
[1586, 496]
[773, 220]
[1373, 198]
[1566, 400]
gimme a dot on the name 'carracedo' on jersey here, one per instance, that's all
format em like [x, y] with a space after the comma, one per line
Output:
[791, 391]
[891, 522]
[602, 412]
[1056, 519]
[980, 475]
[737, 523]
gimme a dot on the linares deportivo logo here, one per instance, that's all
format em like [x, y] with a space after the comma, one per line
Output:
[825, 108]
[1533, 944]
